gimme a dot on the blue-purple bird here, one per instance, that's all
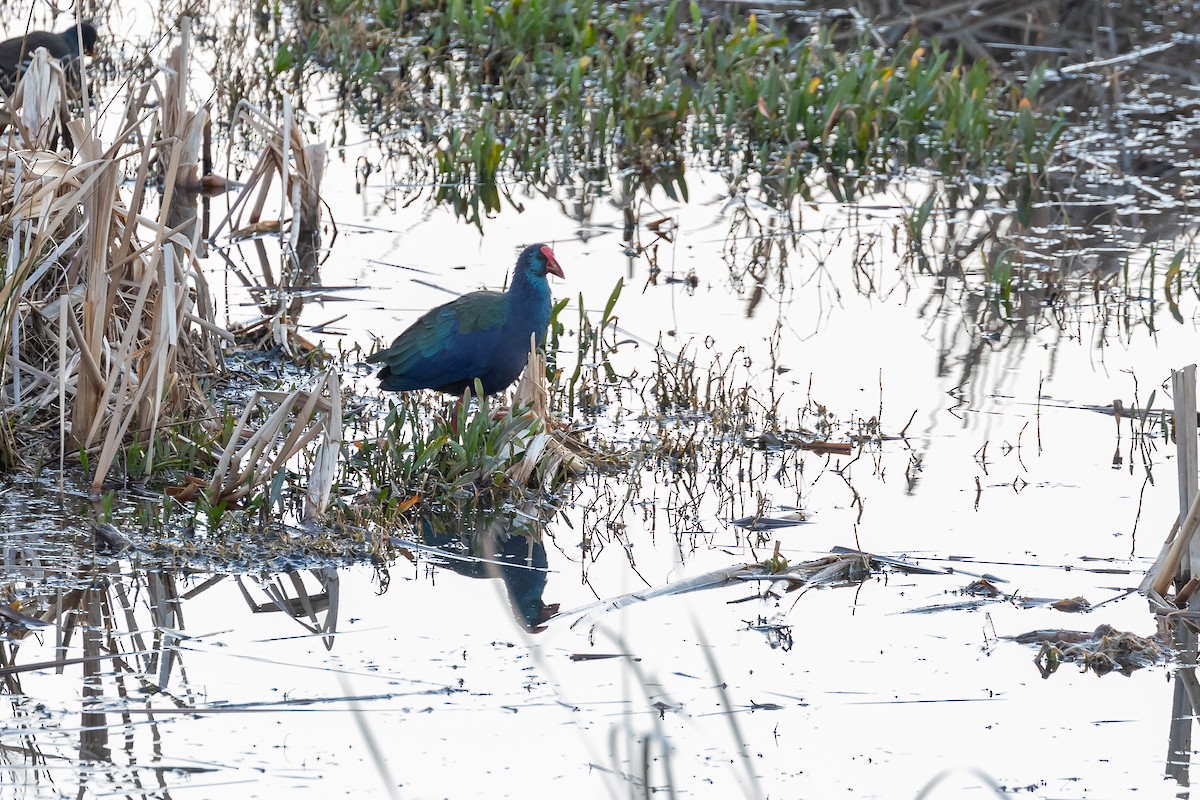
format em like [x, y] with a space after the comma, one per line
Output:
[482, 335]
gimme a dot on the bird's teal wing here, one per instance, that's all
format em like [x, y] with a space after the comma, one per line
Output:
[480, 311]
[444, 342]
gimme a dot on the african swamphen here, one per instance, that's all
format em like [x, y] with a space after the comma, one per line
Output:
[482, 335]
[15, 53]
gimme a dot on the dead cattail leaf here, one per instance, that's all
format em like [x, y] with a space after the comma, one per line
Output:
[39, 103]
[541, 447]
[324, 469]
[252, 458]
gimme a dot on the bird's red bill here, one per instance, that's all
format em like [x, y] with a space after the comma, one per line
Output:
[552, 266]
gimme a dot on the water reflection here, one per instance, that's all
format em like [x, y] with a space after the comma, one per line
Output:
[1091, 252]
[1185, 704]
[122, 626]
[315, 611]
[503, 544]
[120, 636]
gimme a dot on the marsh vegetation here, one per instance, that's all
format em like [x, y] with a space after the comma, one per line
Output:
[847, 302]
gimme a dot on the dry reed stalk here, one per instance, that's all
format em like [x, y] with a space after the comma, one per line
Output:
[1183, 392]
[299, 168]
[182, 127]
[1162, 573]
[548, 448]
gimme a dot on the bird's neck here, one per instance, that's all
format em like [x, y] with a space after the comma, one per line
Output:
[525, 288]
[529, 299]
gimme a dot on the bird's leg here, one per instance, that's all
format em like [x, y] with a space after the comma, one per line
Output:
[458, 411]
[455, 413]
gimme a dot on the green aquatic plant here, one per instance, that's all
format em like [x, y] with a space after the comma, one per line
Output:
[470, 452]
[540, 91]
[1173, 283]
[597, 342]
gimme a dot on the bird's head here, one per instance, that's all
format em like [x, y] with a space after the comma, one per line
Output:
[85, 31]
[538, 261]
[90, 35]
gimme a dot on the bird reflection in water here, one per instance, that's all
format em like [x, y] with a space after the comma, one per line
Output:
[505, 544]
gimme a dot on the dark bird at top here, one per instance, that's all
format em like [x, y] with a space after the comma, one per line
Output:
[15, 53]
[481, 335]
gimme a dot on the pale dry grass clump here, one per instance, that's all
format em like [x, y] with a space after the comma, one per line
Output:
[99, 304]
[547, 449]
[106, 322]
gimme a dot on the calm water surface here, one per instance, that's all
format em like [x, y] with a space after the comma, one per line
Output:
[431, 688]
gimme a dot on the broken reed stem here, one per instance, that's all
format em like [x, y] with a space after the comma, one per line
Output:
[1165, 573]
[1183, 556]
[324, 468]
[1183, 389]
[1146, 587]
